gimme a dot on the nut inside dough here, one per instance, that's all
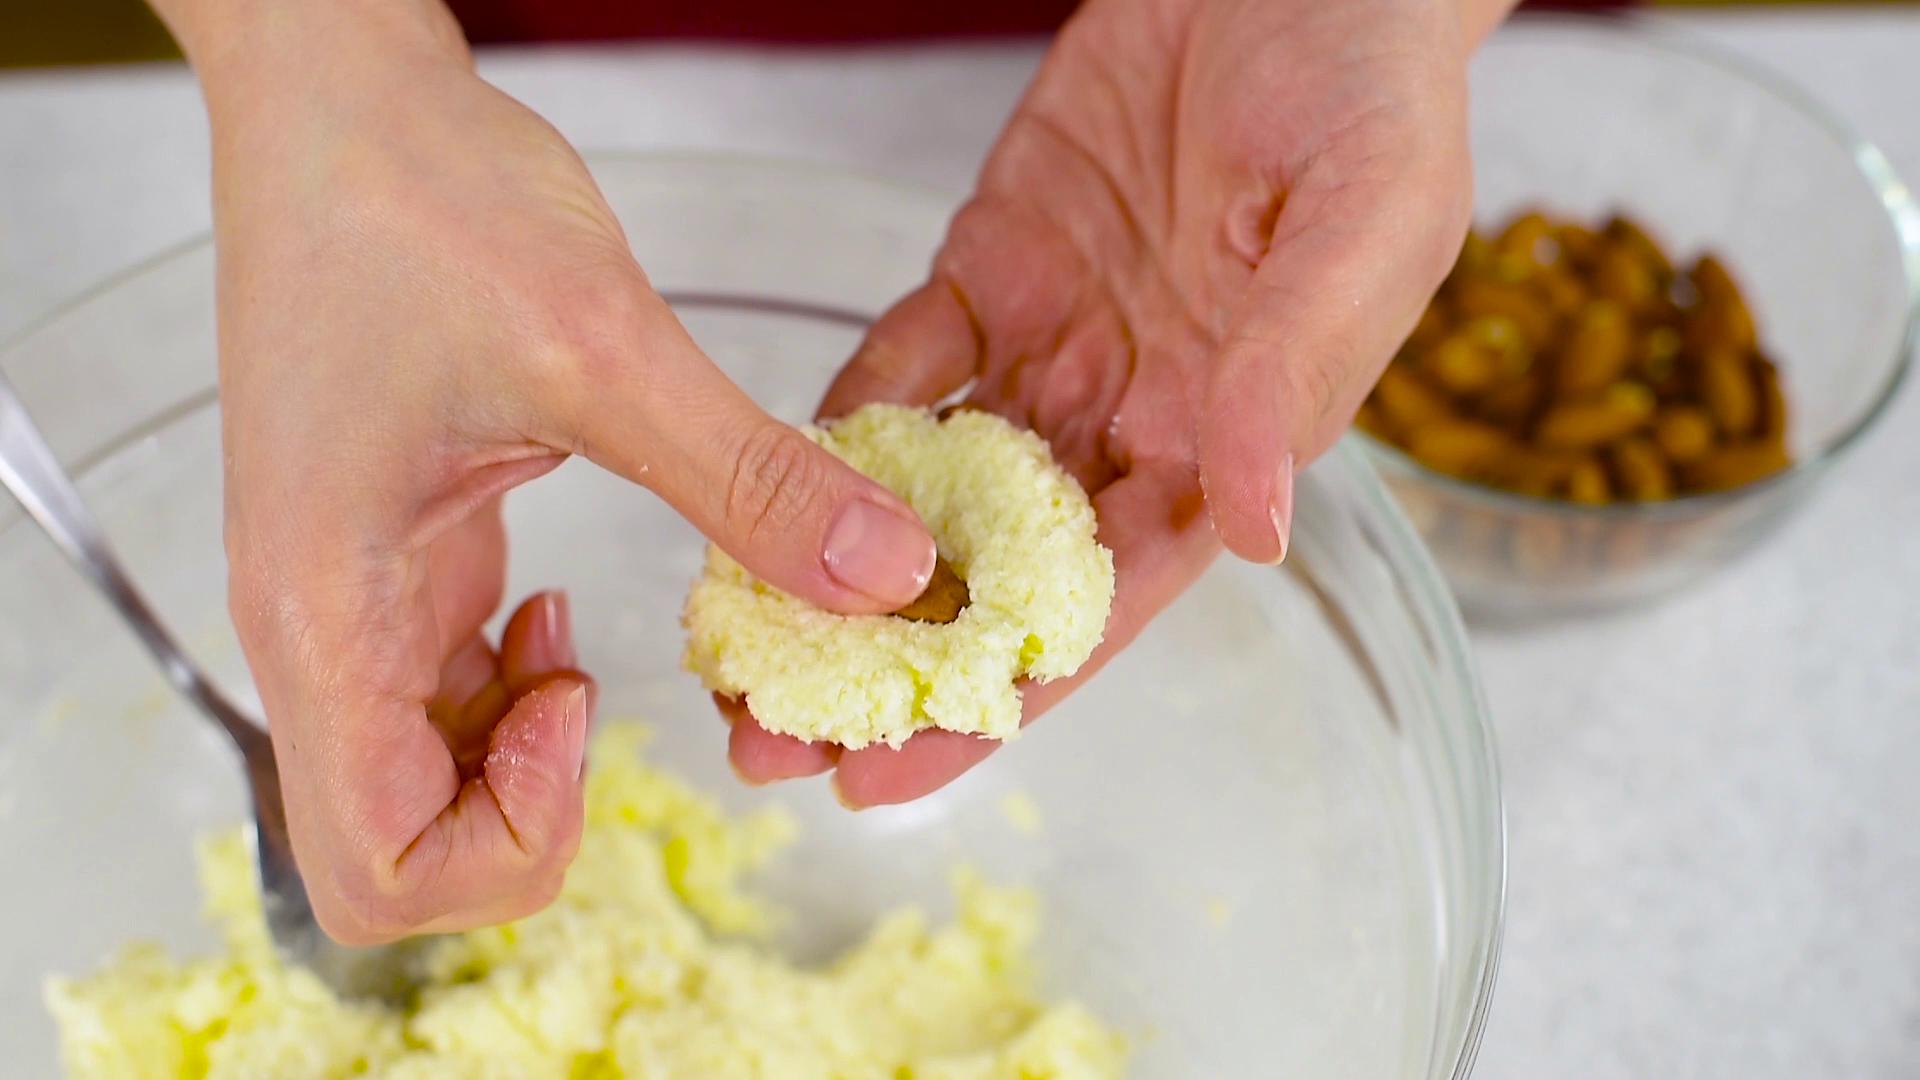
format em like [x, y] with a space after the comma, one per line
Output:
[943, 600]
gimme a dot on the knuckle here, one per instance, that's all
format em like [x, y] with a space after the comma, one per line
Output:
[353, 928]
[1316, 386]
[597, 321]
[776, 475]
[247, 597]
[374, 898]
[272, 627]
[584, 331]
[250, 578]
[356, 909]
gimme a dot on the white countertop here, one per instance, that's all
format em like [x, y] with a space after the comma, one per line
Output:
[1715, 870]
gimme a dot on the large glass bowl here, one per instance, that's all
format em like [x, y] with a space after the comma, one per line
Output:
[1583, 116]
[1272, 839]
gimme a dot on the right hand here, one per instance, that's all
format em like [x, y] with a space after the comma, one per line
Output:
[423, 302]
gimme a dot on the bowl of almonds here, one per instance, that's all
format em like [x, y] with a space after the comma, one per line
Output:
[1688, 291]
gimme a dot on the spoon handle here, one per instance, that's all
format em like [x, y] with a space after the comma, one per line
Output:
[31, 472]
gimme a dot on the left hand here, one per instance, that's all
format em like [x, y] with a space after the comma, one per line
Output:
[1204, 232]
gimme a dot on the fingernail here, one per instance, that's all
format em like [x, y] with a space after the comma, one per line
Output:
[1281, 511]
[741, 775]
[557, 614]
[878, 553]
[576, 713]
[841, 795]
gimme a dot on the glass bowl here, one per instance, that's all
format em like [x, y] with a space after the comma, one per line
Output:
[1271, 838]
[1583, 116]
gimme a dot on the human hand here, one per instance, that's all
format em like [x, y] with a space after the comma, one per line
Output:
[423, 302]
[1205, 230]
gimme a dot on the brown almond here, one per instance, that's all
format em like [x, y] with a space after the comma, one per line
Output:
[1712, 283]
[1773, 402]
[1718, 325]
[1657, 359]
[1587, 483]
[1525, 237]
[1585, 425]
[1561, 288]
[1578, 244]
[1407, 401]
[1501, 336]
[1684, 433]
[1512, 405]
[948, 412]
[1428, 332]
[1640, 470]
[1510, 269]
[1621, 277]
[1633, 396]
[1533, 472]
[1369, 419]
[1735, 466]
[1457, 446]
[1475, 252]
[1599, 347]
[1625, 233]
[944, 598]
[1476, 298]
[1461, 366]
[1727, 388]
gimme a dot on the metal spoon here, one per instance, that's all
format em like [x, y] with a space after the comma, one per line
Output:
[29, 470]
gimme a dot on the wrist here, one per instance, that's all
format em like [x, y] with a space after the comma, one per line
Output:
[243, 49]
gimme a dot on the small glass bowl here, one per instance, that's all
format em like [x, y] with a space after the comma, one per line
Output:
[1583, 116]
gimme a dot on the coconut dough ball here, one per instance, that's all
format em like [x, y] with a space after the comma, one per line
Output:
[1014, 527]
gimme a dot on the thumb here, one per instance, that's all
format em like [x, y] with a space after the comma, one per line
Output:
[652, 408]
[1338, 289]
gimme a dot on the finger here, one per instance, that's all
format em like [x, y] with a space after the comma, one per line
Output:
[1153, 520]
[760, 756]
[882, 775]
[469, 702]
[476, 687]
[922, 349]
[646, 403]
[462, 677]
[537, 642]
[1352, 261]
[466, 570]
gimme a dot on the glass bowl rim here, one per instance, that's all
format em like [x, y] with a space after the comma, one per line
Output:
[1659, 36]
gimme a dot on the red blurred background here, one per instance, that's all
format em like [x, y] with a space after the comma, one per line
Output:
[492, 21]
[37, 33]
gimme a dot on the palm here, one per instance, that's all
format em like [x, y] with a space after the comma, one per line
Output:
[1119, 222]
[1185, 185]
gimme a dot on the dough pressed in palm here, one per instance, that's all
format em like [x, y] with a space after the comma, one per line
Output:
[1010, 521]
